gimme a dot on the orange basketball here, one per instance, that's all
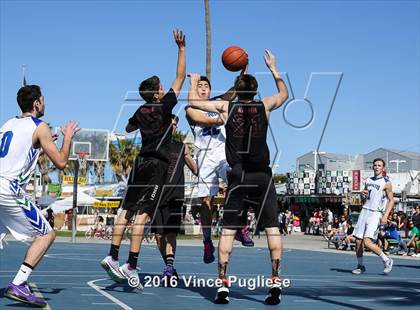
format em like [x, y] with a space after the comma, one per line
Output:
[234, 58]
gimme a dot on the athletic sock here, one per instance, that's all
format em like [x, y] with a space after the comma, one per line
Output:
[132, 259]
[169, 259]
[113, 252]
[207, 234]
[383, 257]
[23, 274]
[360, 260]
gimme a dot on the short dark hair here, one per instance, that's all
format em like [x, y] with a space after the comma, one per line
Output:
[246, 86]
[26, 96]
[149, 87]
[205, 79]
[378, 159]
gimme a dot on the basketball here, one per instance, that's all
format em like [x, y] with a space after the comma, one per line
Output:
[234, 58]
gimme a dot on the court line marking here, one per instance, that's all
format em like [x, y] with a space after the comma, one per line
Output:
[38, 294]
[362, 300]
[107, 295]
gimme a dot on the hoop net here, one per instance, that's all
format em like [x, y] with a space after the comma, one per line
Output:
[81, 158]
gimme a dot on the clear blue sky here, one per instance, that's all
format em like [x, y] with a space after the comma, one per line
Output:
[87, 55]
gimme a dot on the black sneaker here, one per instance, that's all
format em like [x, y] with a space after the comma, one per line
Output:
[274, 294]
[222, 296]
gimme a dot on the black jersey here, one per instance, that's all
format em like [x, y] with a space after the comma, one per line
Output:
[175, 174]
[246, 136]
[154, 121]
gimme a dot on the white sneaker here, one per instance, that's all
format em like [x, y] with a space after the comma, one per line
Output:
[131, 275]
[388, 266]
[359, 269]
[112, 268]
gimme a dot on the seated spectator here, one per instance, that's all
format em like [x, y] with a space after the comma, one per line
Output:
[414, 238]
[416, 217]
[402, 223]
[99, 226]
[341, 232]
[392, 233]
[309, 228]
[334, 229]
[348, 239]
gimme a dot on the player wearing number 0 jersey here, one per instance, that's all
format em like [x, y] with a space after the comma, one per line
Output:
[21, 140]
[379, 203]
[210, 138]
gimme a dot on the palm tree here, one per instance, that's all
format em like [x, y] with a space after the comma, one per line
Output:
[178, 136]
[99, 170]
[208, 39]
[122, 157]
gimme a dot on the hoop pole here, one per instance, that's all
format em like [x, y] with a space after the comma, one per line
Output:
[74, 214]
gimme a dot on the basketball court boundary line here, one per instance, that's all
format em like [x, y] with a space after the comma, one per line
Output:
[107, 295]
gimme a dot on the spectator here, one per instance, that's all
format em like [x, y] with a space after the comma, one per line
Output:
[334, 229]
[310, 225]
[341, 232]
[348, 238]
[392, 233]
[324, 221]
[330, 219]
[416, 217]
[414, 241]
[402, 223]
[282, 223]
[99, 226]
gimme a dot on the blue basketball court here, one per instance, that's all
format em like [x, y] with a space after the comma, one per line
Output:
[70, 277]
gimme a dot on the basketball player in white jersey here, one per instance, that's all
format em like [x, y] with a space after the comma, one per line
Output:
[379, 203]
[209, 138]
[21, 141]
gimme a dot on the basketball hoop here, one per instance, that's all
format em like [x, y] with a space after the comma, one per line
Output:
[82, 158]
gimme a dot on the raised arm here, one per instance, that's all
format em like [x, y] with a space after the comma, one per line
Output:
[273, 102]
[218, 106]
[44, 138]
[180, 69]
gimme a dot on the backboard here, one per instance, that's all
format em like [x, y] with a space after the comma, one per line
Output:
[92, 141]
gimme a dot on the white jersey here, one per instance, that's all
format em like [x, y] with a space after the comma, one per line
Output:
[211, 137]
[377, 199]
[18, 157]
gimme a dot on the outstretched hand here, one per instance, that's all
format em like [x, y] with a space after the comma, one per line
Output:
[194, 78]
[70, 129]
[244, 70]
[270, 60]
[179, 37]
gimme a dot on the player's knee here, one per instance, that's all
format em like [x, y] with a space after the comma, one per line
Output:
[224, 250]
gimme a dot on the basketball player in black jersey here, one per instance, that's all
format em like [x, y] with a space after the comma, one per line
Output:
[167, 221]
[148, 175]
[247, 153]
